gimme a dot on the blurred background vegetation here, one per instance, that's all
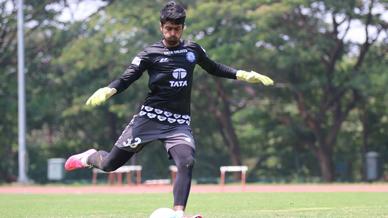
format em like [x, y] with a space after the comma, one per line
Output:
[327, 109]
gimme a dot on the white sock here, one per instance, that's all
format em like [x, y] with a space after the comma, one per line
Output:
[84, 159]
[179, 214]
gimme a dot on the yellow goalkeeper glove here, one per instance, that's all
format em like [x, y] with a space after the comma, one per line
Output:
[100, 96]
[253, 77]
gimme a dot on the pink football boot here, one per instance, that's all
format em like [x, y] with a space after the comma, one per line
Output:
[78, 161]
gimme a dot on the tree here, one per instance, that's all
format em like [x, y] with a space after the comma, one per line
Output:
[37, 17]
[319, 64]
[45, 36]
[220, 36]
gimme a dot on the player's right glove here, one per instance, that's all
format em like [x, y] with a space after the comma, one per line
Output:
[100, 96]
[253, 77]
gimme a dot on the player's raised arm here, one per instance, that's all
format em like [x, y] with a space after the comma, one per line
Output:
[131, 74]
[212, 67]
[222, 70]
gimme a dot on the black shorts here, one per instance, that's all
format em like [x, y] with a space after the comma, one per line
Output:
[142, 130]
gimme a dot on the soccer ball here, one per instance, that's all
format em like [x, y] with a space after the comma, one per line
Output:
[163, 213]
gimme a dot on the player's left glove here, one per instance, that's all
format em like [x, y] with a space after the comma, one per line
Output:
[253, 77]
[100, 96]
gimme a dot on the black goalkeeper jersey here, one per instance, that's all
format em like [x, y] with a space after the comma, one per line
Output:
[170, 73]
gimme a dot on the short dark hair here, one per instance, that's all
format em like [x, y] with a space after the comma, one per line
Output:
[173, 12]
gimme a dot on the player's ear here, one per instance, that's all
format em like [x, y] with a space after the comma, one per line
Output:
[161, 27]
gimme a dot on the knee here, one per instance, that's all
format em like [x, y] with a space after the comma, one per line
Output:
[186, 162]
[184, 157]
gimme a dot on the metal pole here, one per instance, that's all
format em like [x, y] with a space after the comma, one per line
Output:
[21, 98]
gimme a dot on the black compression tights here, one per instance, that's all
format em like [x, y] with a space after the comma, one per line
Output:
[109, 161]
[183, 156]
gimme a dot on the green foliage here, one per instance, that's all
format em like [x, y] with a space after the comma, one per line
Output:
[294, 42]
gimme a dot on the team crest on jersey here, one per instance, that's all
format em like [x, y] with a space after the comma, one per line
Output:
[190, 56]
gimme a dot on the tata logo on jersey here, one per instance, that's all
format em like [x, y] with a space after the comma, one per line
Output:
[179, 74]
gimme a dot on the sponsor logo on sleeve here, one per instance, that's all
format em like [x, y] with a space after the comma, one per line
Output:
[136, 61]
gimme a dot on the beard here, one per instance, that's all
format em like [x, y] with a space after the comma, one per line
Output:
[172, 40]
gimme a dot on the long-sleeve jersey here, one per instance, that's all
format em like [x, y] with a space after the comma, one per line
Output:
[170, 75]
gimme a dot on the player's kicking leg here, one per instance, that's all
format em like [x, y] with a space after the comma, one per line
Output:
[106, 161]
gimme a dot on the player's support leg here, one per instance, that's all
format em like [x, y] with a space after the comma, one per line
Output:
[183, 156]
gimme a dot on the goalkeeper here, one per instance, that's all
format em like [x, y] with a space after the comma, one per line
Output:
[165, 114]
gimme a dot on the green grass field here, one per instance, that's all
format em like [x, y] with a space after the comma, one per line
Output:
[212, 205]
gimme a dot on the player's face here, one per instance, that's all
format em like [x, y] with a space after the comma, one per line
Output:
[172, 33]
